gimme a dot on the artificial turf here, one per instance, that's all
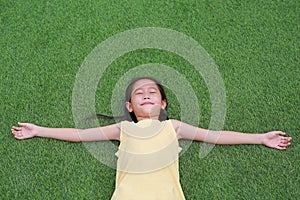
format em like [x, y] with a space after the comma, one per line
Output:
[255, 45]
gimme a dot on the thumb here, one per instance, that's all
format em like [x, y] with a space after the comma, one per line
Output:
[277, 133]
[25, 125]
[280, 133]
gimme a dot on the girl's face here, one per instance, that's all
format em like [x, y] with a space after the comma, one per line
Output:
[146, 101]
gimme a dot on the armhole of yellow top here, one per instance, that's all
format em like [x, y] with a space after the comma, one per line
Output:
[121, 137]
[174, 131]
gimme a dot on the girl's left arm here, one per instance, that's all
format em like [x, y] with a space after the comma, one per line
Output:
[273, 139]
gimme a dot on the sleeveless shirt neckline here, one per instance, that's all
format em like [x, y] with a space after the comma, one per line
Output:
[143, 129]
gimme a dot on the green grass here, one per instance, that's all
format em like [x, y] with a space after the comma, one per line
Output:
[255, 45]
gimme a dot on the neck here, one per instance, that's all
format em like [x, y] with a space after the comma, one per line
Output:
[140, 118]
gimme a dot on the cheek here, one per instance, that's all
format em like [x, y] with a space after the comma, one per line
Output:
[134, 101]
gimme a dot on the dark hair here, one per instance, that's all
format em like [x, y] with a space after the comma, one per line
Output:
[130, 116]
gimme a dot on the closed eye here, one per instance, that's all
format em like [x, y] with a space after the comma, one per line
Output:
[138, 92]
[152, 90]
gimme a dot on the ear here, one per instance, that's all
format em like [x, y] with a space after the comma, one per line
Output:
[163, 104]
[128, 106]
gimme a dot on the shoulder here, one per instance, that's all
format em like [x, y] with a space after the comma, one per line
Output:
[176, 123]
[186, 131]
[112, 132]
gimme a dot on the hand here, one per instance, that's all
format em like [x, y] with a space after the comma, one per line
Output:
[276, 140]
[25, 131]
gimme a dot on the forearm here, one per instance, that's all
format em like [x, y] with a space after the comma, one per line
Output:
[231, 137]
[186, 131]
[67, 134]
[80, 135]
[273, 139]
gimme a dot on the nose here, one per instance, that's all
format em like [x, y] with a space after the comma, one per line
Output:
[146, 96]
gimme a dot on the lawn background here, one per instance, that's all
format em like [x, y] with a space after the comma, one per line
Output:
[254, 43]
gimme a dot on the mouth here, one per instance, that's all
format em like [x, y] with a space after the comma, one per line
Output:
[147, 103]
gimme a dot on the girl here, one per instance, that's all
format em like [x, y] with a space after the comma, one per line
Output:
[147, 166]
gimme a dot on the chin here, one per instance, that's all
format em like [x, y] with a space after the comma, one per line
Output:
[151, 110]
[152, 113]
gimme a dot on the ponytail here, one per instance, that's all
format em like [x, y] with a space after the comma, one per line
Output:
[102, 116]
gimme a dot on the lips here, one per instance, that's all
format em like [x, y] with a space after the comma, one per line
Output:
[147, 103]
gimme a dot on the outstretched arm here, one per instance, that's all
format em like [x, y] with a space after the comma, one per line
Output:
[274, 139]
[27, 130]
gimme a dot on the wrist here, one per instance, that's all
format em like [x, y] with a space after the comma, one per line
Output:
[38, 132]
[263, 136]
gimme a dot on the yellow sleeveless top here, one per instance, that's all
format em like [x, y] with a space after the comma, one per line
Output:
[147, 167]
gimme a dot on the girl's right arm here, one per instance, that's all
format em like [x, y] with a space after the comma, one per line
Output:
[26, 130]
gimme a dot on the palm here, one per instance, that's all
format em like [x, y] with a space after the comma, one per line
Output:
[275, 139]
[24, 131]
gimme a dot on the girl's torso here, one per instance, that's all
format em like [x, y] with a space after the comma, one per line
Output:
[147, 166]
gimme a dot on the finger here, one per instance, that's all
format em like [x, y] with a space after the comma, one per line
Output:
[17, 134]
[286, 139]
[286, 144]
[17, 128]
[18, 137]
[279, 133]
[22, 124]
[13, 131]
[280, 147]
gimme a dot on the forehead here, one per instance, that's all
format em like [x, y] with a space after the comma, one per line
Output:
[143, 83]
